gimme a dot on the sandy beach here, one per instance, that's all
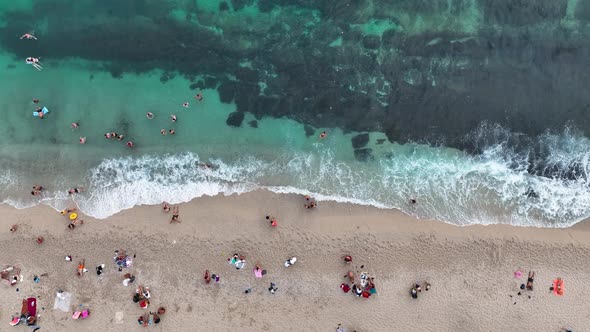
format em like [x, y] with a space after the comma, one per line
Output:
[471, 269]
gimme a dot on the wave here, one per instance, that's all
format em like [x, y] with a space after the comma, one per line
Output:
[494, 186]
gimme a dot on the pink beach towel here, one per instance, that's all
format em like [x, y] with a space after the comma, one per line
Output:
[258, 273]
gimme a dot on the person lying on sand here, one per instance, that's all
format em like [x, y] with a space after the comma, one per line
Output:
[207, 277]
[13, 228]
[156, 317]
[68, 210]
[350, 276]
[529, 282]
[74, 222]
[273, 221]
[81, 268]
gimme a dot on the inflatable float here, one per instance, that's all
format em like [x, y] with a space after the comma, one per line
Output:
[44, 110]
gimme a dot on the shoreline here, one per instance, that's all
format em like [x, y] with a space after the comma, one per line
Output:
[470, 268]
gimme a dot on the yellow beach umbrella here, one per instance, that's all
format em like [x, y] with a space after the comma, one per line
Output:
[73, 216]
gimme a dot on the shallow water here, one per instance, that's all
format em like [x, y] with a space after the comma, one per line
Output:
[536, 177]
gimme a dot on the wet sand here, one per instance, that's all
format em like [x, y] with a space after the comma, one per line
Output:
[470, 268]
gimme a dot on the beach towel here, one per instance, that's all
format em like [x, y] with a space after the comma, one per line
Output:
[32, 306]
[345, 288]
[76, 315]
[62, 301]
[258, 273]
[240, 264]
[558, 288]
[364, 279]
[85, 313]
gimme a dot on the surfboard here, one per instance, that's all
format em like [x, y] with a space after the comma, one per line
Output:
[44, 109]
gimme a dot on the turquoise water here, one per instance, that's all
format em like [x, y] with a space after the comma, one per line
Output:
[272, 152]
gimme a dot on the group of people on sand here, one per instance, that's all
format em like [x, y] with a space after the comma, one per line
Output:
[239, 262]
[175, 212]
[418, 289]
[363, 286]
[72, 216]
[310, 202]
[150, 318]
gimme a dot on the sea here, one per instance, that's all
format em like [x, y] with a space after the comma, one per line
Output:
[477, 109]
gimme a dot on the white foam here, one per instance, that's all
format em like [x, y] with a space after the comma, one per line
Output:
[448, 185]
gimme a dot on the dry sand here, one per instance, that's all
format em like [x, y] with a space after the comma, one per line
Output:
[470, 269]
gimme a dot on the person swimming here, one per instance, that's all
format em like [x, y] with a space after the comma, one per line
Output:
[323, 135]
[163, 132]
[173, 117]
[28, 36]
[40, 113]
[130, 144]
[150, 115]
[185, 105]
[199, 96]
[75, 125]
[35, 62]
[82, 140]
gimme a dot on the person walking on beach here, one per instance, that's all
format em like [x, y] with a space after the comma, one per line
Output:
[175, 215]
[28, 36]
[272, 289]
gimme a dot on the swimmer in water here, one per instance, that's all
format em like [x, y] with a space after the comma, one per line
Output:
[323, 135]
[36, 101]
[173, 117]
[40, 112]
[28, 36]
[82, 140]
[35, 62]
[150, 115]
[163, 132]
[172, 132]
[75, 125]
[130, 144]
[120, 137]
[199, 97]
[185, 105]
[107, 135]
[75, 191]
